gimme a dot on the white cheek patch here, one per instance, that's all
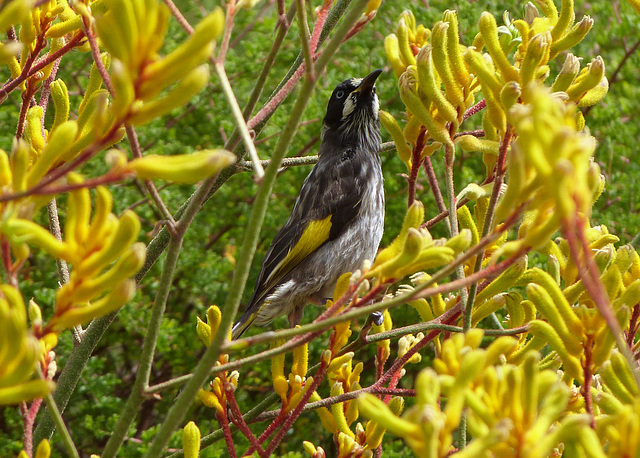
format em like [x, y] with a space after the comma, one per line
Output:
[375, 105]
[349, 105]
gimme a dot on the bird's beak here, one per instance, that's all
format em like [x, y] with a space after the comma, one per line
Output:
[368, 82]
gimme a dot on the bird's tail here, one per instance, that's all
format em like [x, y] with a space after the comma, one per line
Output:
[245, 321]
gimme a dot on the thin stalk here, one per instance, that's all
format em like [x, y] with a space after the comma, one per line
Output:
[488, 219]
[62, 429]
[307, 52]
[136, 398]
[435, 190]
[241, 125]
[239, 421]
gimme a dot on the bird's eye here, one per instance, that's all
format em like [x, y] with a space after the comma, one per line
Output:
[339, 94]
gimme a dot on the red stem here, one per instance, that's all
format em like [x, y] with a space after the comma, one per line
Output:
[226, 432]
[239, 421]
[633, 325]
[415, 167]
[474, 109]
[435, 186]
[293, 416]
[586, 388]
[39, 65]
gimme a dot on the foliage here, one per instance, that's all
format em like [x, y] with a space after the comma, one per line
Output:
[520, 335]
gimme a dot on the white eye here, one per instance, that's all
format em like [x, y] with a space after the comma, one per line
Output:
[339, 94]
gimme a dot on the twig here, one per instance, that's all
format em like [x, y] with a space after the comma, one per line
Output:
[435, 190]
[304, 39]
[239, 119]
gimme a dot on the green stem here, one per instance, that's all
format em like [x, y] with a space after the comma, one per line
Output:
[136, 398]
[68, 379]
[304, 38]
[62, 429]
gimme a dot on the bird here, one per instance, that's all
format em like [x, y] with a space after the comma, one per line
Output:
[337, 220]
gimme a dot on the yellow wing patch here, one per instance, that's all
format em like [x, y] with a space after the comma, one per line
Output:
[314, 235]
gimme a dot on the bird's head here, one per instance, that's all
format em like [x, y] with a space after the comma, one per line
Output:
[352, 112]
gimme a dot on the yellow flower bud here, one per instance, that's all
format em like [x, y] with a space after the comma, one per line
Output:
[392, 51]
[74, 316]
[184, 168]
[431, 88]
[568, 73]
[537, 50]
[409, 95]
[191, 84]
[338, 411]
[374, 408]
[413, 219]
[547, 333]
[300, 360]
[389, 122]
[20, 230]
[191, 53]
[203, 330]
[590, 78]
[191, 440]
[441, 63]
[60, 140]
[5, 169]
[565, 20]
[210, 400]
[406, 53]
[60, 96]
[573, 37]
[471, 143]
[489, 30]
[124, 92]
[453, 49]
[119, 240]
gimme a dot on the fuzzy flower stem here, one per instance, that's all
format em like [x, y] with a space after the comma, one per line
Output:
[226, 433]
[586, 388]
[435, 190]
[488, 220]
[415, 167]
[293, 416]
[177, 14]
[239, 421]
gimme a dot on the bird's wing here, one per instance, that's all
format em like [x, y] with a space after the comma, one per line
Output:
[328, 201]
